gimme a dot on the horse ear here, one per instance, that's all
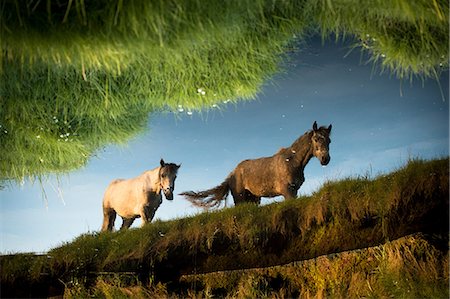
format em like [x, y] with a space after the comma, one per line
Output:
[179, 165]
[315, 126]
[329, 128]
[162, 163]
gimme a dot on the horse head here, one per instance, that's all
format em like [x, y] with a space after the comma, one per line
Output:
[167, 176]
[321, 143]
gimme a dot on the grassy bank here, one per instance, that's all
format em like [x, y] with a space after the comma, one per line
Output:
[345, 215]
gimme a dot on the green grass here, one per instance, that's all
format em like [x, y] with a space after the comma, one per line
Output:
[101, 67]
[344, 215]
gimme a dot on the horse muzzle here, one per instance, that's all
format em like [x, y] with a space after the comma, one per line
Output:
[168, 193]
[324, 160]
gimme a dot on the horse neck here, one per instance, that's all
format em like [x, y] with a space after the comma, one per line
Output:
[151, 180]
[302, 150]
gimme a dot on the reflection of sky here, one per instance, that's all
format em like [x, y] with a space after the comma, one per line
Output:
[375, 130]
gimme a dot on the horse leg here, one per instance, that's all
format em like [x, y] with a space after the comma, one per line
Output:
[244, 196]
[237, 189]
[249, 197]
[147, 214]
[127, 222]
[109, 216]
[239, 196]
[290, 191]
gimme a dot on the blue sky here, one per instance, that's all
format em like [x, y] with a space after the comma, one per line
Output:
[378, 123]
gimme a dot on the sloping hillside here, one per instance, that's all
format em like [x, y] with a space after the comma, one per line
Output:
[346, 215]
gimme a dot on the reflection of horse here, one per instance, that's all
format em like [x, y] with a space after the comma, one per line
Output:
[139, 196]
[281, 174]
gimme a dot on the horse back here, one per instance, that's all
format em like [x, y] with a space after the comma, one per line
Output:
[255, 171]
[116, 181]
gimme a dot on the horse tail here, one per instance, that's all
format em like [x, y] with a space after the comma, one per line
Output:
[209, 198]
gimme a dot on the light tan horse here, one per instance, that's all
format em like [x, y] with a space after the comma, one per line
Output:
[139, 196]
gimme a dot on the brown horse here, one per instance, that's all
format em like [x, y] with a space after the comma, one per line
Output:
[139, 196]
[280, 174]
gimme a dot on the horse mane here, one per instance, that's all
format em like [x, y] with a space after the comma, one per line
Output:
[305, 140]
[302, 143]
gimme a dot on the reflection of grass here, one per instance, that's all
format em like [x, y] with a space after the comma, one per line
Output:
[344, 215]
[104, 79]
[406, 37]
[101, 66]
[114, 35]
[54, 125]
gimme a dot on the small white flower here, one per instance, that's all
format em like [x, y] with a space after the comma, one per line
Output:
[38, 136]
[41, 160]
[62, 135]
[189, 113]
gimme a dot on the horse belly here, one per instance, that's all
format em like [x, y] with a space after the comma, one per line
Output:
[124, 200]
[264, 190]
[260, 180]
